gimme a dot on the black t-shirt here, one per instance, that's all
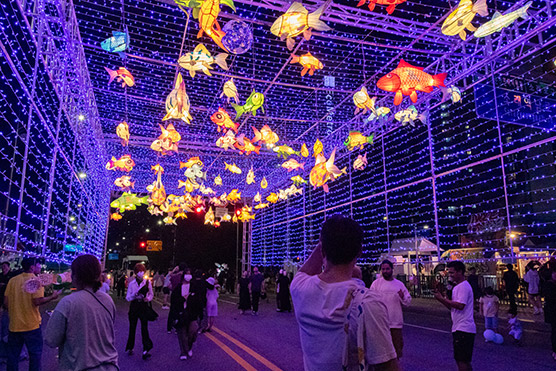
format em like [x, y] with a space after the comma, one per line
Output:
[256, 282]
[512, 281]
[4, 278]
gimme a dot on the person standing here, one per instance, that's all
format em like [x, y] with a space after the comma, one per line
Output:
[25, 319]
[461, 308]
[82, 324]
[243, 290]
[158, 283]
[473, 280]
[105, 286]
[176, 279]
[550, 308]
[395, 295]
[120, 285]
[256, 286]
[511, 283]
[166, 289]
[139, 294]
[489, 304]
[283, 293]
[182, 323]
[329, 301]
[533, 280]
[196, 304]
[212, 303]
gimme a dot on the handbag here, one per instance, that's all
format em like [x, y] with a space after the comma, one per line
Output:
[151, 314]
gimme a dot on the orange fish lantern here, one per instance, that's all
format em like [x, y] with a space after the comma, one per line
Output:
[223, 120]
[391, 4]
[407, 80]
[208, 14]
[308, 62]
[121, 75]
[245, 146]
[124, 163]
[325, 170]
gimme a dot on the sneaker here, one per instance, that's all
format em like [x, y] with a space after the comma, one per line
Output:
[190, 353]
[183, 358]
[129, 352]
[146, 354]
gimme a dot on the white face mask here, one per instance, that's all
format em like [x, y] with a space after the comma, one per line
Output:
[187, 277]
[140, 274]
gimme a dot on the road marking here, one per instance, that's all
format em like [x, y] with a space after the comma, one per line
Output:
[236, 357]
[249, 351]
[226, 301]
[428, 328]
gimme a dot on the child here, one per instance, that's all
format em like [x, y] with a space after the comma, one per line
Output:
[212, 302]
[514, 326]
[489, 309]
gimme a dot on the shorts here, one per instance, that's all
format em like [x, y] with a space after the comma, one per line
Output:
[463, 346]
[534, 295]
[491, 323]
[397, 341]
[166, 290]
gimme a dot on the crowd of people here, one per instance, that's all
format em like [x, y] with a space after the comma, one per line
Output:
[345, 322]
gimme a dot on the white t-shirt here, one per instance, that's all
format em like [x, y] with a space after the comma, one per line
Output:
[532, 278]
[490, 307]
[105, 288]
[321, 310]
[462, 320]
[392, 300]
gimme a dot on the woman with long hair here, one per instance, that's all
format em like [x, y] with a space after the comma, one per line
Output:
[82, 324]
[243, 290]
[139, 294]
[186, 332]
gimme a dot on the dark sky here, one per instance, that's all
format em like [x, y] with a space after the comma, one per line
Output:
[196, 244]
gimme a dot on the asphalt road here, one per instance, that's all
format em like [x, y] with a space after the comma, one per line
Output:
[270, 341]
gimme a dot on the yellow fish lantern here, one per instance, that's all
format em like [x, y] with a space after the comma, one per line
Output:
[177, 103]
[460, 19]
[324, 170]
[233, 196]
[308, 62]
[317, 148]
[296, 21]
[158, 193]
[115, 216]
[272, 198]
[265, 136]
[262, 205]
[257, 197]
[245, 214]
[209, 216]
[218, 180]
[201, 60]
[304, 151]
[122, 131]
[499, 21]
[250, 176]
[124, 163]
[363, 102]
[232, 168]
[230, 91]
[264, 183]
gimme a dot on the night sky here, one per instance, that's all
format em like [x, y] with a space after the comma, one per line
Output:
[197, 244]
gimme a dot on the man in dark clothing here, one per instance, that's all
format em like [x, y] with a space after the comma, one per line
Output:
[511, 282]
[473, 280]
[257, 285]
[5, 321]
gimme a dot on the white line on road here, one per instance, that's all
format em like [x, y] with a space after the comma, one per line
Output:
[226, 301]
[427, 328]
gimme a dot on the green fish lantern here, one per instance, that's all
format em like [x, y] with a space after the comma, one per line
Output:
[356, 139]
[252, 104]
[128, 201]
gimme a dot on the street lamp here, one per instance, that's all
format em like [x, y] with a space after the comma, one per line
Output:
[147, 230]
[82, 175]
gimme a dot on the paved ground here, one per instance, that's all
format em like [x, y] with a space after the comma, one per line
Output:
[270, 341]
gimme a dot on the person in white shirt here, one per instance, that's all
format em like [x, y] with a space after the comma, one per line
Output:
[139, 294]
[395, 295]
[489, 304]
[461, 307]
[327, 301]
[533, 279]
[105, 286]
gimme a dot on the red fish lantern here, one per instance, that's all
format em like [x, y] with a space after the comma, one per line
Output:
[407, 80]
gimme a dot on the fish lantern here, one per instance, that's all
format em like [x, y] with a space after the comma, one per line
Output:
[308, 62]
[208, 14]
[499, 21]
[177, 102]
[238, 38]
[296, 21]
[118, 43]
[391, 4]
[460, 19]
[407, 80]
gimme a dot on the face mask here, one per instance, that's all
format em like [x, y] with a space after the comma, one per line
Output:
[140, 274]
[188, 277]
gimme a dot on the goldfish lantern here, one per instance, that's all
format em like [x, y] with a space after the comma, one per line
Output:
[238, 38]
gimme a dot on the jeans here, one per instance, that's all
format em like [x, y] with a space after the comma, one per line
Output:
[33, 342]
[4, 325]
[255, 296]
[491, 323]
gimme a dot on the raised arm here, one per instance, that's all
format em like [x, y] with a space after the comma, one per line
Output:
[313, 265]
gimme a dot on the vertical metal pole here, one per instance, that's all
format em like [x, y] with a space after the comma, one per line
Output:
[52, 174]
[385, 195]
[304, 227]
[103, 262]
[350, 187]
[12, 168]
[29, 122]
[502, 164]
[433, 175]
